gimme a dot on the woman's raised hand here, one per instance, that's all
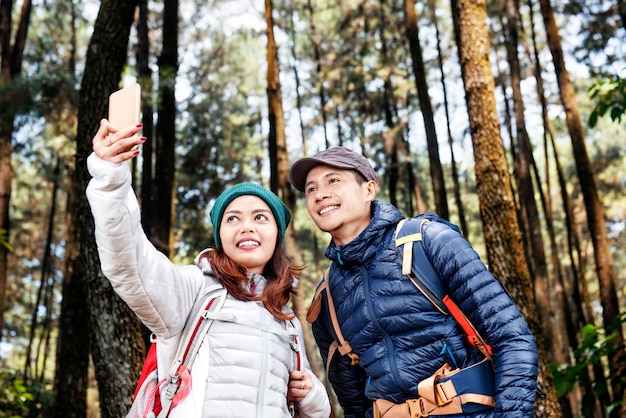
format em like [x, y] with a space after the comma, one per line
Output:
[117, 145]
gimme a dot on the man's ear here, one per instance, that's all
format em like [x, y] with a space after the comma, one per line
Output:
[371, 189]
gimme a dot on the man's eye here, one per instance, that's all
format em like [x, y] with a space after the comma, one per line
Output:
[310, 190]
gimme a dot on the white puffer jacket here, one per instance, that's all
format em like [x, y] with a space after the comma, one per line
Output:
[241, 370]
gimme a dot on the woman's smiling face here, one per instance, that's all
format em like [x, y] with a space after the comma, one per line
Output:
[249, 232]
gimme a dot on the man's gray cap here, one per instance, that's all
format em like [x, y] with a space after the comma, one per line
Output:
[338, 157]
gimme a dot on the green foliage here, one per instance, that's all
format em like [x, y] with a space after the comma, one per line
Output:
[610, 96]
[4, 243]
[22, 398]
[14, 396]
[596, 346]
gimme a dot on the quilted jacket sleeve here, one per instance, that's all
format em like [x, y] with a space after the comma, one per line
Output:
[159, 292]
[483, 299]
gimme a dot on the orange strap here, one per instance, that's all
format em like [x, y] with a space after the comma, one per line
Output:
[472, 334]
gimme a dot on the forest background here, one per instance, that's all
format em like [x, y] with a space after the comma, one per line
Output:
[504, 117]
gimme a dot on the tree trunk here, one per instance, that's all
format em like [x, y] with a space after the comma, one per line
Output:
[530, 212]
[147, 149]
[116, 345]
[317, 51]
[72, 360]
[72, 363]
[500, 226]
[593, 205]
[390, 135]
[455, 172]
[419, 72]
[10, 68]
[567, 294]
[279, 162]
[165, 168]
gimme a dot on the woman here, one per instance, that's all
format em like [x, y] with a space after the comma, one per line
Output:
[241, 369]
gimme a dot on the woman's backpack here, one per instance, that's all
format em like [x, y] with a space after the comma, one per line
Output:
[148, 402]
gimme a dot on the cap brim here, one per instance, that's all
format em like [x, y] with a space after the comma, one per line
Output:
[300, 169]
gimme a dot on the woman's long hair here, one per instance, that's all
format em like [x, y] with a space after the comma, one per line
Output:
[279, 273]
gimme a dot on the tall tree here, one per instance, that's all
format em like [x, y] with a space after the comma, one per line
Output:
[279, 160]
[317, 51]
[568, 313]
[453, 167]
[419, 72]
[115, 337]
[11, 57]
[501, 229]
[162, 204]
[392, 134]
[527, 201]
[593, 205]
[145, 80]
[72, 359]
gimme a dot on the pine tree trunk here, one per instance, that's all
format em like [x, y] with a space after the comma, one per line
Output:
[147, 149]
[115, 338]
[593, 205]
[164, 169]
[317, 51]
[500, 226]
[453, 168]
[419, 72]
[526, 190]
[279, 162]
[10, 68]
[72, 362]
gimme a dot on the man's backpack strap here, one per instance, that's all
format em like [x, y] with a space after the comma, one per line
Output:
[339, 342]
[424, 276]
[418, 268]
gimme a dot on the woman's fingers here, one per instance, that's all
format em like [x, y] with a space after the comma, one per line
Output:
[115, 145]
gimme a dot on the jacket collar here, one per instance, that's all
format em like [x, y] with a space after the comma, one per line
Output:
[365, 246]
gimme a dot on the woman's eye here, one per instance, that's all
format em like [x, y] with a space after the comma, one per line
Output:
[310, 190]
[261, 217]
[333, 181]
[231, 218]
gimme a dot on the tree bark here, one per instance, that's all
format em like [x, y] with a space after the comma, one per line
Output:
[502, 234]
[147, 149]
[528, 203]
[455, 172]
[164, 170]
[116, 345]
[317, 51]
[72, 363]
[10, 68]
[419, 72]
[279, 162]
[593, 206]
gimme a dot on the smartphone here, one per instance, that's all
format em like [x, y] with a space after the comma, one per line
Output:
[125, 106]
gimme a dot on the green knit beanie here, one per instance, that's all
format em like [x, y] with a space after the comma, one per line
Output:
[278, 208]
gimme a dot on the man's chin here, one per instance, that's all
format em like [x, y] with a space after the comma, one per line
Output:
[323, 226]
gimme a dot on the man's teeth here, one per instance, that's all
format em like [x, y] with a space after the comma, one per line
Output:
[248, 244]
[328, 209]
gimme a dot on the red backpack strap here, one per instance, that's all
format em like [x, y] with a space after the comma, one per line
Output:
[178, 381]
[420, 271]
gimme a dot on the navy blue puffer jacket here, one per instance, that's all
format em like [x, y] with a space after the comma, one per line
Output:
[399, 335]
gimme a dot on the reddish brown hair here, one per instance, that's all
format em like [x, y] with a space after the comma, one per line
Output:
[279, 273]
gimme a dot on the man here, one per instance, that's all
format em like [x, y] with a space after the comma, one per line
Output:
[400, 337]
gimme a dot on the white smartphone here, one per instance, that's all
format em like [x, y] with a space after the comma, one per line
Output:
[125, 106]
